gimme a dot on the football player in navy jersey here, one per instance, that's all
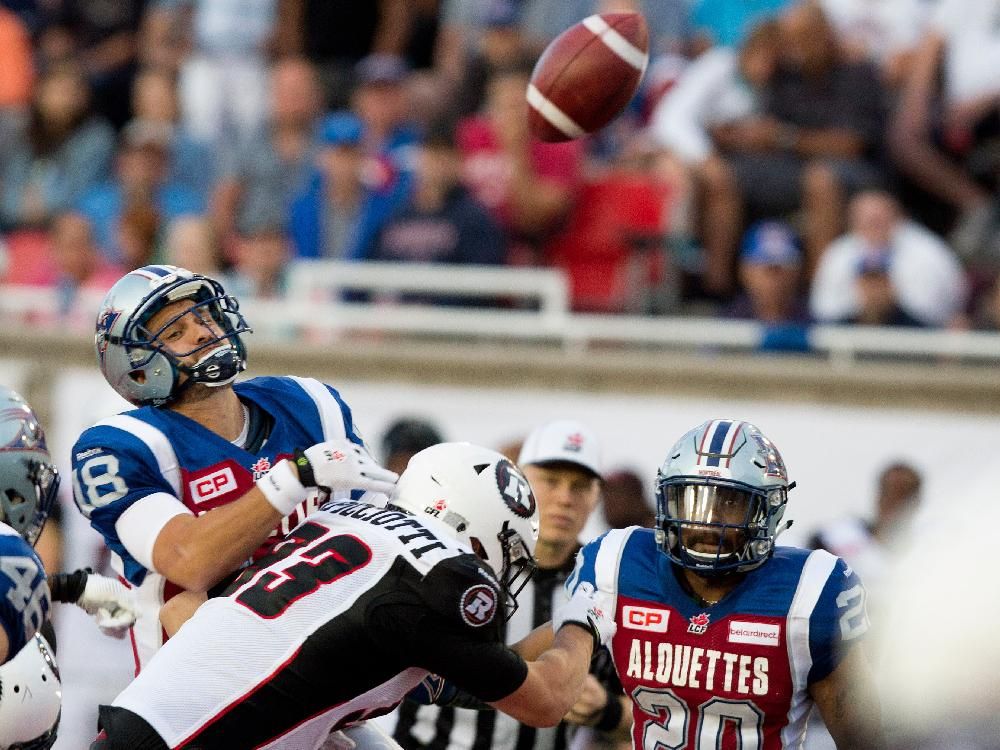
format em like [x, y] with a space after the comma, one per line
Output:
[724, 639]
[259, 454]
[353, 609]
[30, 698]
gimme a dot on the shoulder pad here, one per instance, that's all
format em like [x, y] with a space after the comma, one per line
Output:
[465, 592]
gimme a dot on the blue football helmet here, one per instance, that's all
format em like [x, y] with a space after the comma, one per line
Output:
[137, 364]
[29, 481]
[720, 497]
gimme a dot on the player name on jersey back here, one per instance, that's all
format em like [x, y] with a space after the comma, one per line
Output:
[412, 532]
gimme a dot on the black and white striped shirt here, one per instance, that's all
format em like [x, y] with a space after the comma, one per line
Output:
[448, 728]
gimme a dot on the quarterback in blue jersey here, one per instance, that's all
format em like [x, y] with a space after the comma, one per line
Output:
[259, 454]
[725, 640]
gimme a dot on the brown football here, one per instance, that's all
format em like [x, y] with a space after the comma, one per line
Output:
[587, 75]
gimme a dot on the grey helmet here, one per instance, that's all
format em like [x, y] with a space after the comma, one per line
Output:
[134, 360]
[29, 481]
[720, 497]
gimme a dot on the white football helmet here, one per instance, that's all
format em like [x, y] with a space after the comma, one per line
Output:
[30, 698]
[720, 497]
[484, 499]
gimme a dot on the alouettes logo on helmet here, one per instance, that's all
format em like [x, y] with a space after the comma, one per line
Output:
[104, 325]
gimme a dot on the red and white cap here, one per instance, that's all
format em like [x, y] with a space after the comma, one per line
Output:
[563, 440]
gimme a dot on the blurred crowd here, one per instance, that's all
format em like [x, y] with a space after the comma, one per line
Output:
[789, 161]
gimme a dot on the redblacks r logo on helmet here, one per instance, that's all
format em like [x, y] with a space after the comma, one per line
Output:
[515, 490]
[479, 605]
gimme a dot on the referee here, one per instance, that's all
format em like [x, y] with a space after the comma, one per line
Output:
[561, 460]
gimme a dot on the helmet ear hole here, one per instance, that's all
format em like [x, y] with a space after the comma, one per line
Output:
[479, 549]
[137, 376]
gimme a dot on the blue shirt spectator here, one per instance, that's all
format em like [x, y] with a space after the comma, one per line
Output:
[324, 218]
[56, 155]
[728, 22]
[140, 178]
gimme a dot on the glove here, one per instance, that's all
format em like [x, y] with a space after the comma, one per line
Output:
[342, 465]
[331, 466]
[590, 609]
[109, 602]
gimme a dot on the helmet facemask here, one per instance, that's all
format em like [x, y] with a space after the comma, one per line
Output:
[516, 568]
[225, 355]
[716, 526]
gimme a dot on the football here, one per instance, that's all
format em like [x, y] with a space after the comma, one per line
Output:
[587, 75]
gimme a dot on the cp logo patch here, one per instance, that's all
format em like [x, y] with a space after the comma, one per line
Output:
[479, 605]
[515, 489]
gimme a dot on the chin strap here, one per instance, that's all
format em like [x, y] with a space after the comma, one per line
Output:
[219, 367]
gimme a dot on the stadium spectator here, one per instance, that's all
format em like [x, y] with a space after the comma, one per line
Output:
[771, 276]
[191, 243]
[887, 268]
[389, 135]
[336, 36]
[943, 136]
[872, 548]
[16, 63]
[885, 33]
[267, 172]
[261, 260]
[62, 151]
[137, 235]
[727, 23]
[868, 545]
[527, 185]
[184, 350]
[815, 145]
[326, 216]
[81, 268]
[103, 38]
[220, 51]
[154, 100]
[562, 462]
[404, 438]
[141, 180]
[499, 44]
[722, 85]
[624, 501]
[441, 222]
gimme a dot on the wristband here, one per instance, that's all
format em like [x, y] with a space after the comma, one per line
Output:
[67, 587]
[611, 716]
[282, 488]
[305, 468]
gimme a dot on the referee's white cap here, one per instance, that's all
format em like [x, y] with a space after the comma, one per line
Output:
[562, 441]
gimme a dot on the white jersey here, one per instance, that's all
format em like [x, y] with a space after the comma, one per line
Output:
[337, 625]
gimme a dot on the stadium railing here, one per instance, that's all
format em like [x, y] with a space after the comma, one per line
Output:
[318, 307]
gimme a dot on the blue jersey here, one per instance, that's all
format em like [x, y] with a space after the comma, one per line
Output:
[24, 594]
[135, 471]
[733, 674]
